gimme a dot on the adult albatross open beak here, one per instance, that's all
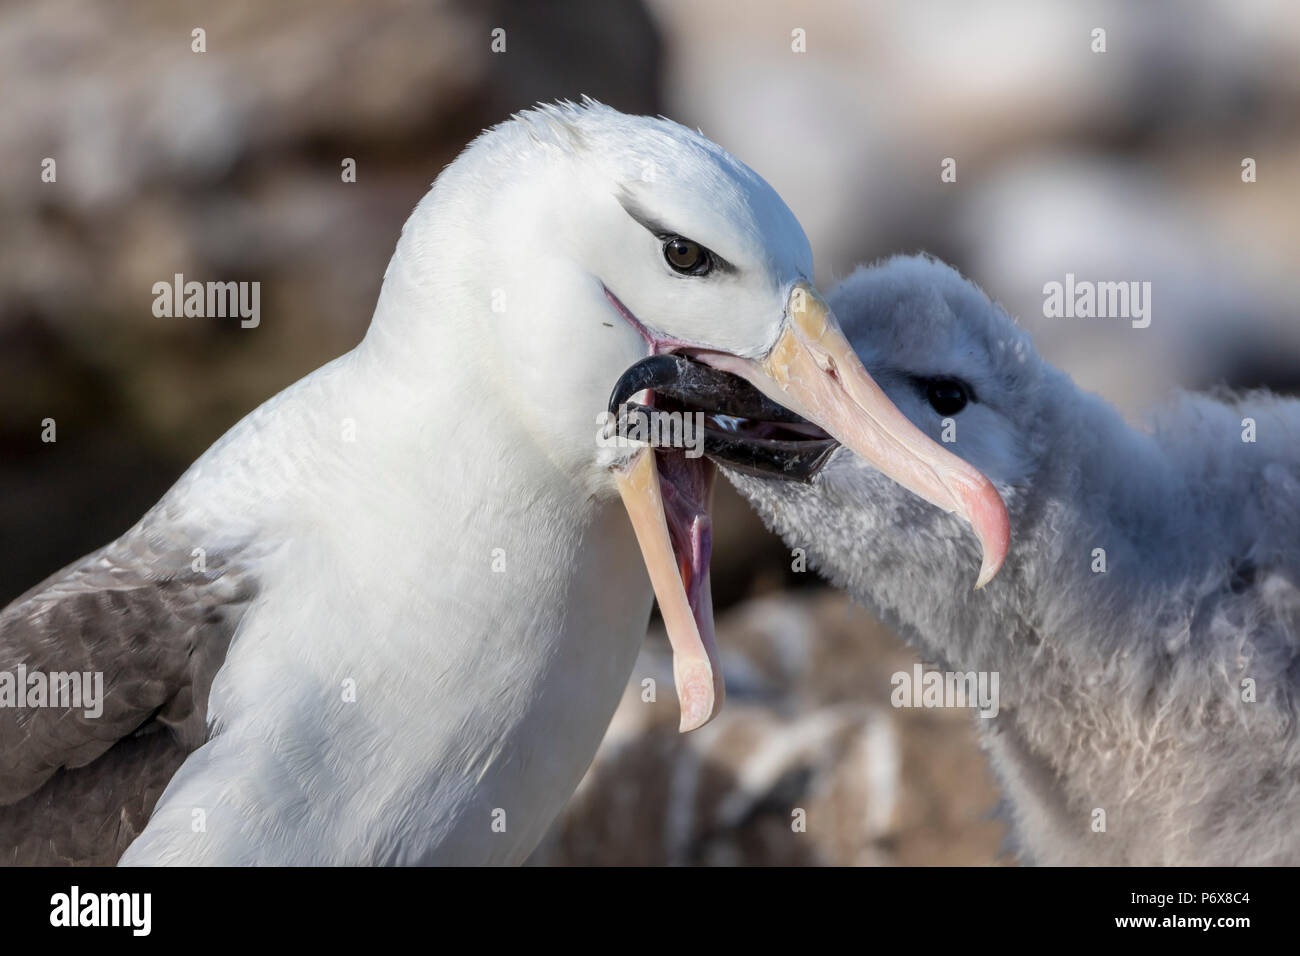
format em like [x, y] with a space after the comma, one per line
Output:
[811, 370]
[675, 536]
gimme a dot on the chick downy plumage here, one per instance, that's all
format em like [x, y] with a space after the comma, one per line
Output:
[1146, 625]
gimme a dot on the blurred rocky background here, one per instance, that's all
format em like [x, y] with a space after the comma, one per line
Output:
[1122, 165]
[806, 765]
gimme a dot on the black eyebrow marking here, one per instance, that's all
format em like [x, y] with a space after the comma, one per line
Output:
[643, 218]
[663, 233]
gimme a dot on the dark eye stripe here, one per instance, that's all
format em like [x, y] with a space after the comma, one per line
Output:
[947, 396]
[664, 234]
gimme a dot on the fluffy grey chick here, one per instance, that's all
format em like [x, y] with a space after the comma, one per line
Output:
[1146, 625]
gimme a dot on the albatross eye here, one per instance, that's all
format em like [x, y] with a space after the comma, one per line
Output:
[686, 256]
[947, 396]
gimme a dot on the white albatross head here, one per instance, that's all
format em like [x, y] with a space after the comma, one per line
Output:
[574, 241]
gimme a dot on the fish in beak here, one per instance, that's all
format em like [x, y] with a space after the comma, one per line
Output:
[781, 415]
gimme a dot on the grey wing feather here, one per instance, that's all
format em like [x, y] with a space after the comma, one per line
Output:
[156, 624]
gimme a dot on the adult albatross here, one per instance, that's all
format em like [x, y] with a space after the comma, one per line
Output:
[1146, 625]
[387, 617]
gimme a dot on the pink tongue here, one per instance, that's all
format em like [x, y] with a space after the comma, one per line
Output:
[687, 488]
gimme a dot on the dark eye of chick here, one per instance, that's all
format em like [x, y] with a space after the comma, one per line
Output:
[947, 396]
[687, 256]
